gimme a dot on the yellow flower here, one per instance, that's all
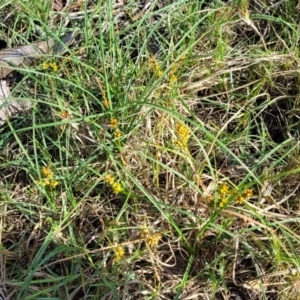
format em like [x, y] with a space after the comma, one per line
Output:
[105, 103]
[54, 67]
[155, 67]
[117, 134]
[239, 199]
[224, 189]
[248, 193]
[174, 68]
[47, 172]
[47, 180]
[116, 187]
[159, 73]
[183, 57]
[45, 66]
[223, 202]
[153, 64]
[181, 145]
[153, 239]
[150, 238]
[109, 179]
[53, 183]
[65, 115]
[173, 78]
[183, 134]
[41, 182]
[119, 253]
[113, 123]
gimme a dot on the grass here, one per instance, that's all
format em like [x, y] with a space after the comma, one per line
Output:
[161, 157]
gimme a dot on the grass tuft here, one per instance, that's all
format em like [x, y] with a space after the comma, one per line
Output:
[160, 159]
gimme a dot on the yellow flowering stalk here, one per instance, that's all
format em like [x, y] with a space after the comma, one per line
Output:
[224, 189]
[247, 194]
[47, 180]
[172, 74]
[225, 193]
[223, 202]
[116, 186]
[183, 134]
[174, 70]
[114, 125]
[155, 67]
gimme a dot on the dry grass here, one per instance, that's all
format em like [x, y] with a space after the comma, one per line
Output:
[161, 159]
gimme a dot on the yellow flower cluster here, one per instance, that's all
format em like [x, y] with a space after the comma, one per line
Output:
[119, 253]
[52, 66]
[114, 125]
[173, 78]
[155, 67]
[117, 134]
[65, 115]
[225, 194]
[247, 194]
[116, 186]
[105, 102]
[183, 134]
[47, 172]
[150, 238]
[47, 180]
[174, 69]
